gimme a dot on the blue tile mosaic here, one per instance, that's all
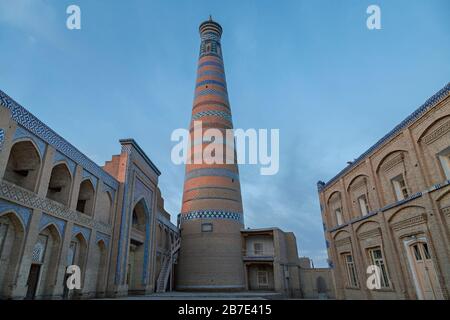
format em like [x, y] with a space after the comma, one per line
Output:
[76, 229]
[2, 138]
[212, 214]
[47, 219]
[22, 133]
[59, 157]
[23, 212]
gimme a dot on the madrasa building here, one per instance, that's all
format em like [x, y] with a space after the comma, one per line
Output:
[390, 208]
[59, 208]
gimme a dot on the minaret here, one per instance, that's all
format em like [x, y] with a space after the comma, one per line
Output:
[211, 216]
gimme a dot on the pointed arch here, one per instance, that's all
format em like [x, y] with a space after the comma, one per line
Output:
[60, 183]
[12, 238]
[24, 164]
[86, 197]
[432, 125]
[388, 155]
[44, 262]
[357, 177]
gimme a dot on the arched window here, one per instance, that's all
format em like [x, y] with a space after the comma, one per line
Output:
[59, 185]
[23, 165]
[86, 196]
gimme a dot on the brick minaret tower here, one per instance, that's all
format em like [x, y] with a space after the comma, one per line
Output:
[211, 216]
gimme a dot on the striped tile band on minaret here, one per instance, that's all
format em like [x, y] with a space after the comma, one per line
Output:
[211, 217]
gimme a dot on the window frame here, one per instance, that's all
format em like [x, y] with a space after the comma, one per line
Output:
[399, 190]
[444, 160]
[350, 267]
[205, 226]
[259, 252]
[339, 217]
[266, 276]
[385, 280]
[363, 198]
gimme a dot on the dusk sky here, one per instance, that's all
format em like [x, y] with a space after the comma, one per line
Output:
[309, 68]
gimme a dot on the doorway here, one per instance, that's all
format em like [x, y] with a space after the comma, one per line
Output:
[33, 280]
[427, 284]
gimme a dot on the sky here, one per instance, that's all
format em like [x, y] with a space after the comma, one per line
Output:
[311, 69]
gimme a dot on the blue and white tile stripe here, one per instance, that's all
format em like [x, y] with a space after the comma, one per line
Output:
[211, 63]
[22, 133]
[23, 212]
[213, 92]
[214, 82]
[212, 214]
[2, 138]
[211, 73]
[215, 113]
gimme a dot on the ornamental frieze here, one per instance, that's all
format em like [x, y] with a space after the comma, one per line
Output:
[29, 199]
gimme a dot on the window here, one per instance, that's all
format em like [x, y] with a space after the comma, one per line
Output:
[59, 184]
[263, 278]
[401, 191]
[258, 248]
[352, 278]
[363, 205]
[207, 227]
[71, 253]
[37, 255]
[339, 217]
[417, 254]
[23, 165]
[444, 158]
[85, 203]
[376, 258]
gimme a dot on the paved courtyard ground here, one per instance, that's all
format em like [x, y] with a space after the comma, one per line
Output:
[206, 296]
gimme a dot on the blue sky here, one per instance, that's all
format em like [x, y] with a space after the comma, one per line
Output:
[309, 68]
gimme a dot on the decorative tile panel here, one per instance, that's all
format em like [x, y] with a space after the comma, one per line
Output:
[215, 113]
[211, 73]
[213, 92]
[47, 219]
[99, 236]
[76, 229]
[59, 157]
[141, 191]
[22, 133]
[90, 176]
[23, 212]
[210, 63]
[2, 138]
[212, 214]
[14, 193]
[214, 82]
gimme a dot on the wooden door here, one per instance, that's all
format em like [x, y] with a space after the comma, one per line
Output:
[425, 271]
